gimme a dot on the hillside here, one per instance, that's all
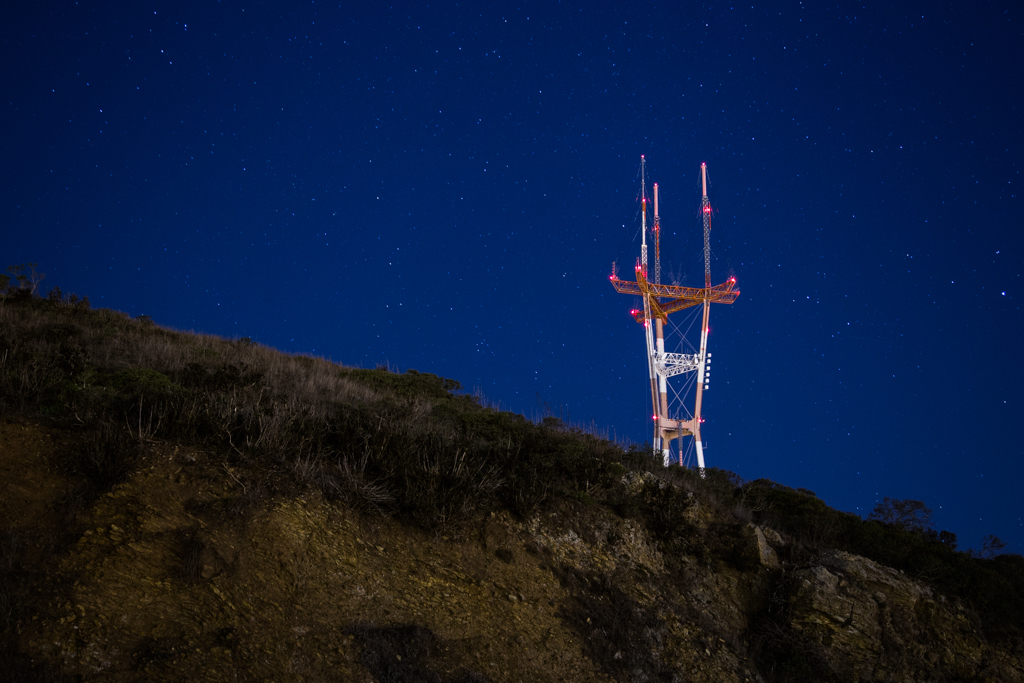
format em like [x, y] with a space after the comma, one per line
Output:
[181, 506]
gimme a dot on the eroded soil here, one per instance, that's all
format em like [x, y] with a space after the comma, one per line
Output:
[184, 571]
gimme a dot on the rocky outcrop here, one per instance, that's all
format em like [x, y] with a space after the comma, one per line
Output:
[759, 548]
[179, 572]
[876, 624]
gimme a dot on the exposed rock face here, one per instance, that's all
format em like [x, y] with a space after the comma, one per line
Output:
[164, 579]
[878, 625]
[622, 543]
[759, 547]
[634, 482]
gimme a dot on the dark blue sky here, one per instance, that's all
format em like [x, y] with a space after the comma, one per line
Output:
[445, 188]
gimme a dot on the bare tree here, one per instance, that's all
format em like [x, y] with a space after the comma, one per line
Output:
[991, 545]
[906, 514]
[27, 279]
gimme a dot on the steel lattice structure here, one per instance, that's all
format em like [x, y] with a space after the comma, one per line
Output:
[659, 301]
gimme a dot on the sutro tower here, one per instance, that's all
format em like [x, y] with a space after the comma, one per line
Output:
[674, 420]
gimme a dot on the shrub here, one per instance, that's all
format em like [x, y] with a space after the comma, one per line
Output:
[105, 458]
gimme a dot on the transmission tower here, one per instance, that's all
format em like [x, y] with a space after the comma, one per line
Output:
[673, 420]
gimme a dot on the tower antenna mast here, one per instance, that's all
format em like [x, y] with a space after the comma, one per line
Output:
[658, 302]
[641, 270]
[657, 239]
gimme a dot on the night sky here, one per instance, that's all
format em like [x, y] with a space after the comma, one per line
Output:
[445, 188]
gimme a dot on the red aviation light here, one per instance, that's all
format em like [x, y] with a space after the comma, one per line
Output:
[707, 209]
[702, 419]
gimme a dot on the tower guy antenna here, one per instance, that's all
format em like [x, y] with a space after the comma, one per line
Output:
[672, 419]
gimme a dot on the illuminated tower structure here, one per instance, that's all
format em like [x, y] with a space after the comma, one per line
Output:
[673, 419]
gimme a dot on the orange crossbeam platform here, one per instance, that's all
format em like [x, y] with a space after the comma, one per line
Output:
[674, 298]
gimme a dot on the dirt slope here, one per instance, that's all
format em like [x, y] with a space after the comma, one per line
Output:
[182, 573]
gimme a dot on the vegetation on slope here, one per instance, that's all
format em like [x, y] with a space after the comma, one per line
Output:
[396, 444]
[993, 584]
[412, 447]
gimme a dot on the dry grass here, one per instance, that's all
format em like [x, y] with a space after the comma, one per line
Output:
[113, 341]
[379, 441]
